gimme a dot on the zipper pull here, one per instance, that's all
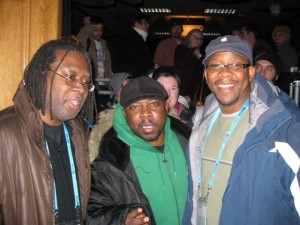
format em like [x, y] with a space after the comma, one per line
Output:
[164, 158]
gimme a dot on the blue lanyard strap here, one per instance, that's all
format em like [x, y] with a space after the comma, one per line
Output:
[229, 132]
[73, 172]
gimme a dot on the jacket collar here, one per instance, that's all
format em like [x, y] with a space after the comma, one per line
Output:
[31, 118]
[264, 96]
[29, 115]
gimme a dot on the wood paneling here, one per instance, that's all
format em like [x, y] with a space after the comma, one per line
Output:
[25, 25]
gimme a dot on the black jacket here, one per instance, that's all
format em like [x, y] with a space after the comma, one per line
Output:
[132, 55]
[115, 186]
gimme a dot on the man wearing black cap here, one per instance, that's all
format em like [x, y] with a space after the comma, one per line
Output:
[244, 148]
[139, 176]
[268, 64]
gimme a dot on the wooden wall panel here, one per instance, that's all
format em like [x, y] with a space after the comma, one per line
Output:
[11, 55]
[25, 25]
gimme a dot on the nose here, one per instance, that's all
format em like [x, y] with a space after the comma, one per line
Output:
[81, 88]
[225, 72]
[263, 71]
[145, 112]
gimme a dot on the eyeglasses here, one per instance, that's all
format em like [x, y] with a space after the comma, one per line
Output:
[73, 82]
[215, 68]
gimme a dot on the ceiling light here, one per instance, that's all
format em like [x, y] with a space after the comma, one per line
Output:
[161, 33]
[211, 34]
[220, 11]
[155, 10]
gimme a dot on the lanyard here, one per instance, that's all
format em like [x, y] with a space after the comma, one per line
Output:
[229, 132]
[73, 172]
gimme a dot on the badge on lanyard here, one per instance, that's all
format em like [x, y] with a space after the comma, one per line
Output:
[202, 201]
[201, 210]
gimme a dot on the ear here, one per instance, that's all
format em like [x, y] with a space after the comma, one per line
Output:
[251, 72]
[204, 74]
[124, 112]
[167, 106]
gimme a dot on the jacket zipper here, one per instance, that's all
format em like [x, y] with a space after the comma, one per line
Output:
[165, 161]
[131, 185]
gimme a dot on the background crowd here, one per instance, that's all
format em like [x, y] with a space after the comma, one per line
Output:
[194, 131]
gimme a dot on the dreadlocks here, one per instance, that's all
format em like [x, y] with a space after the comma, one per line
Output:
[35, 76]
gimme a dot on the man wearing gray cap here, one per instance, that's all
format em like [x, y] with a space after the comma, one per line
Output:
[244, 149]
[118, 81]
[139, 176]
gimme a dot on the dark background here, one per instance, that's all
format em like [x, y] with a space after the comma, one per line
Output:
[115, 14]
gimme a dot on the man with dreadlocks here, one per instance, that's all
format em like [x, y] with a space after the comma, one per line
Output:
[44, 169]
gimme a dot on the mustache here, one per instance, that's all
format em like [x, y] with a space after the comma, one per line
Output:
[147, 122]
[79, 98]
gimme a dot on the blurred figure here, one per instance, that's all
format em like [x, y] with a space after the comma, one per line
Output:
[165, 51]
[118, 82]
[188, 60]
[183, 110]
[72, 39]
[105, 118]
[169, 77]
[268, 64]
[131, 54]
[236, 31]
[281, 36]
[90, 37]
[251, 33]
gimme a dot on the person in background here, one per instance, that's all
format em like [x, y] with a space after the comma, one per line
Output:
[71, 38]
[105, 117]
[236, 31]
[188, 60]
[281, 37]
[169, 77]
[139, 176]
[90, 37]
[165, 51]
[244, 154]
[45, 168]
[250, 32]
[118, 82]
[269, 65]
[132, 54]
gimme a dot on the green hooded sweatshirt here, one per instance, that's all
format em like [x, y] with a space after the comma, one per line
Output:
[163, 176]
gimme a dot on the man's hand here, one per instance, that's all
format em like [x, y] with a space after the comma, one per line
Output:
[137, 217]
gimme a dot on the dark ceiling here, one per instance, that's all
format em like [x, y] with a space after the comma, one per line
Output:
[115, 14]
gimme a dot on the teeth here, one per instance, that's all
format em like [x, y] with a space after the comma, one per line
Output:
[75, 102]
[225, 85]
[146, 127]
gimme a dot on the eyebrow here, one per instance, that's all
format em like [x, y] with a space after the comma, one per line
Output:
[270, 65]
